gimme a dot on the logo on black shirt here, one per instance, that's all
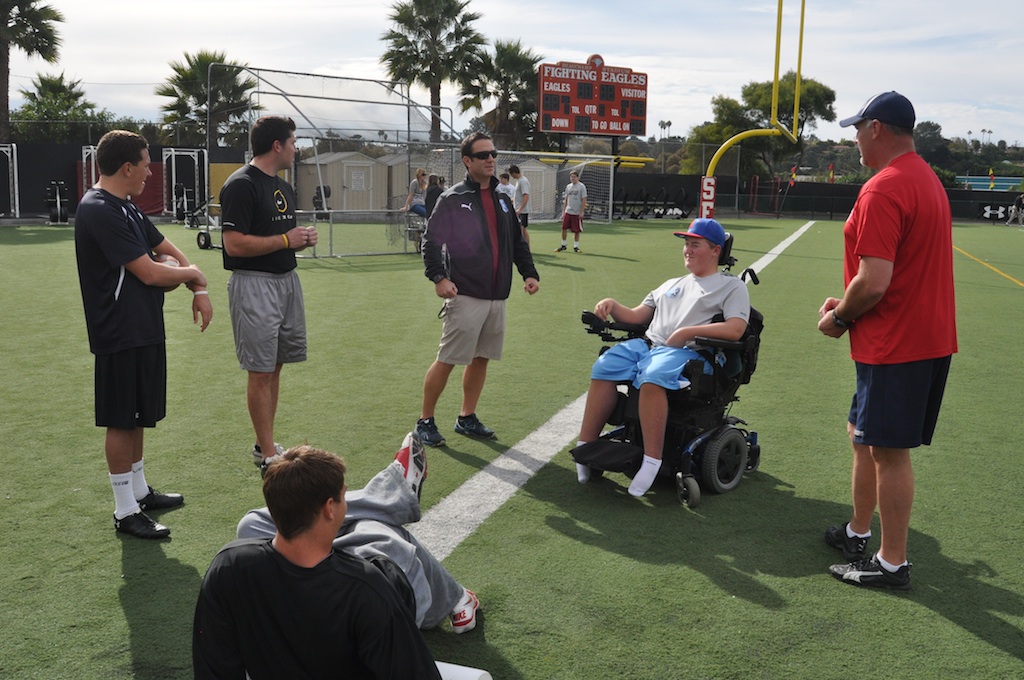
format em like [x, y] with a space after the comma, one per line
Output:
[280, 201]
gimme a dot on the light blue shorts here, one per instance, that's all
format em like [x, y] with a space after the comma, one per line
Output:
[634, 360]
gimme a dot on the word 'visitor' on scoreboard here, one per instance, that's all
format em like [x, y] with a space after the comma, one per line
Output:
[592, 99]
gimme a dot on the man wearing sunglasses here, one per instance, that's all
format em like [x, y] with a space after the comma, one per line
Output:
[472, 240]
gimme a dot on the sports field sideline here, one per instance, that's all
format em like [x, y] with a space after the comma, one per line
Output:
[576, 581]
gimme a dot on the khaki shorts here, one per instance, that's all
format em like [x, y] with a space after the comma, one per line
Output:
[472, 328]
[268, 318]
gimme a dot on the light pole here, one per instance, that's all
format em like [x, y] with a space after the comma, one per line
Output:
[668, 128]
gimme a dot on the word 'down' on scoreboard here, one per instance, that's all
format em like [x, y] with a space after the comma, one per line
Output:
[592, 99]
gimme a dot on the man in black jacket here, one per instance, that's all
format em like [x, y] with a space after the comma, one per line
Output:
[472, 239]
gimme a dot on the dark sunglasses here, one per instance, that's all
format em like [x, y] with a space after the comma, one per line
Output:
[482, 155]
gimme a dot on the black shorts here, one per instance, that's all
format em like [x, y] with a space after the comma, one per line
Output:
[896, 406]
[131, 387]
[524, 220]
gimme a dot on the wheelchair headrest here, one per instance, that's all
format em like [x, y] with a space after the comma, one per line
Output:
[725, 258]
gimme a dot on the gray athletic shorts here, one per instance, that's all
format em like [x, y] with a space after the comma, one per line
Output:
[472, 328]
[268, 318]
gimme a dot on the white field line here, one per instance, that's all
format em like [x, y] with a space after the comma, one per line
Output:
[456, 516]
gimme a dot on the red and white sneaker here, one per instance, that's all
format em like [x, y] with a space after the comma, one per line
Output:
[413, 457]
[464, 614]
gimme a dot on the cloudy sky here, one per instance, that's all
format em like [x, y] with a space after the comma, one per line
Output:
[958, 62]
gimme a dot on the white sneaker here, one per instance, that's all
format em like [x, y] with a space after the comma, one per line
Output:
[464, 614]
[413, 458]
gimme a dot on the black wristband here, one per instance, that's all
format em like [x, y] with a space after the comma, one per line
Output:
[839, 323]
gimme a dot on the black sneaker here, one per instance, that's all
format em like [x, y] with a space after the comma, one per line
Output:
[257, 453]
[869, 573]
[559, 249]
[141, 525]
[577, 250]
[470, 425]
[426, 430]
[155, 500]
[853, 548]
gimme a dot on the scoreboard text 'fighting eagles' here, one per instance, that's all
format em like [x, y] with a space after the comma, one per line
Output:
[592, 99]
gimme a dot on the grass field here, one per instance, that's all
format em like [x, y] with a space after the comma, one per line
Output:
[576, 581]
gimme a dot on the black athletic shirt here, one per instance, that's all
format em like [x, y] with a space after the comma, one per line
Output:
[121, 312]
[260, 614]
[253, 202]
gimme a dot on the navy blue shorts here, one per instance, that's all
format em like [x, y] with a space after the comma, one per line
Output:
[131, 387]
[896, 406]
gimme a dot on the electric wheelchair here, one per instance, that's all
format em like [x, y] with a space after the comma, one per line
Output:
[705, 446]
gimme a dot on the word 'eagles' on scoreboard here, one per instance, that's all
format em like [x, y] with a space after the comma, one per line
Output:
[592, 99]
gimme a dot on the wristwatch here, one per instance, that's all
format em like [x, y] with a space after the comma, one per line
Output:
[839, 323]
[438, 278]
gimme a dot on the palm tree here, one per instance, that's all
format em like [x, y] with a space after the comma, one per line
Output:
[29, 27]
[510, 79]
[192, 87]
[56, 88]
[56, 110]
[432, 41]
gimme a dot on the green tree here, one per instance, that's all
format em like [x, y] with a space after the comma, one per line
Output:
[509, 79]
[432, 42]
[56, 110]
[767, 155]
[930, 144]
[730, 118]
[816, 103]
[28, 26]
[192, 87]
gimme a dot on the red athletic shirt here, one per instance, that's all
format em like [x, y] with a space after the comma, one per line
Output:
[902, 215]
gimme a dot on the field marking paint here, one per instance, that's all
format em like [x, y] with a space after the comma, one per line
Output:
[457, 515]
[770, 256]
[444, 526]
[986, 264]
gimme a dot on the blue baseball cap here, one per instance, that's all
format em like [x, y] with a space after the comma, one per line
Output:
[887, 107]
[705, 228]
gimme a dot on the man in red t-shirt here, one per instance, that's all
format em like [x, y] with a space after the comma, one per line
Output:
[899, 309]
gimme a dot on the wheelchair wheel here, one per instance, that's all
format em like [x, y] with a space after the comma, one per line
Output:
[724, 461]
[203, 240]
[688, 490]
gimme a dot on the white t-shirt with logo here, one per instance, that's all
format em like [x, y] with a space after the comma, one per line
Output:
[692, 301]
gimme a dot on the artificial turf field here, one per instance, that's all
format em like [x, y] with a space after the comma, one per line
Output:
[576, 581]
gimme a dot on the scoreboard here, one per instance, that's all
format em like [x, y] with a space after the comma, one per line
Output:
[592, 99]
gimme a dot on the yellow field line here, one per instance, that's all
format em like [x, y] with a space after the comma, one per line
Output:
[986, 264]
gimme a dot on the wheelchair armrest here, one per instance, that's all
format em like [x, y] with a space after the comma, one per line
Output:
[599, 326]
[717, 343]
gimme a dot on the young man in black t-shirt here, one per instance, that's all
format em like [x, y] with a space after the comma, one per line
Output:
[264, 294]
[123, 284]
[294, 606]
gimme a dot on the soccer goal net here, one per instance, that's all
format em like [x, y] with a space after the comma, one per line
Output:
[359, 143]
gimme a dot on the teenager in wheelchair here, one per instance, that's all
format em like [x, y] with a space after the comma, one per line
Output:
[683, 353]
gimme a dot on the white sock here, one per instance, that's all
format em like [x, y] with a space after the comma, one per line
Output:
[563, 242]
[124, 498]
[139, 485]
[644, 479]
[850, 533]
[888, 566]
[582, 471]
